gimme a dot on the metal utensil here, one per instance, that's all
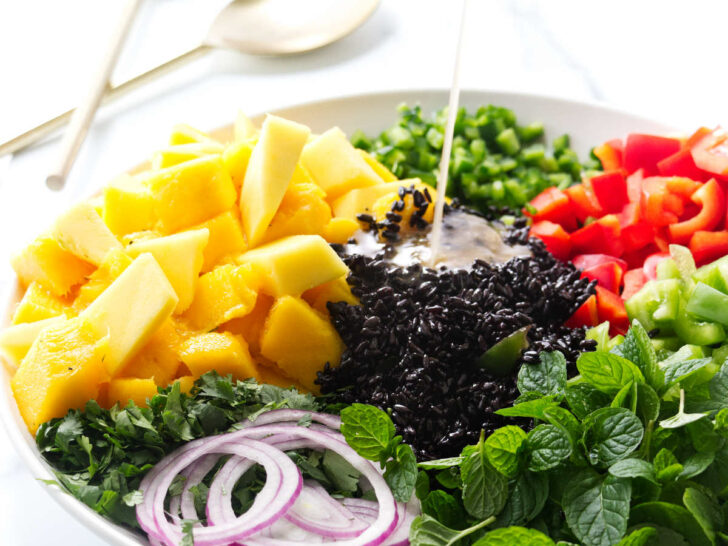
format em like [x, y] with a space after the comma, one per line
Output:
[257, 27]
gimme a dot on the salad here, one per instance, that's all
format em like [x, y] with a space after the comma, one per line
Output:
[242, 344]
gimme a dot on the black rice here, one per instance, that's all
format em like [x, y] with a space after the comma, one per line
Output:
[413, 343]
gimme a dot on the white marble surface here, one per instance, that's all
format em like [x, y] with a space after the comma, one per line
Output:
[663, 60]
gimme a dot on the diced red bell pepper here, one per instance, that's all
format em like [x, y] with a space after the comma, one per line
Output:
[634, 280]
[682, 187]
[711, 152]
[555, 237]
[610, 154]
[696, 137]
[682, 164]
[637, 235]
[634, 185]
[708, 246]
[631, 214]
[611, 307]
[610, 190]
[636, 258]
[553, 205]
[599, 237]
[608, 275]
[586, 261]
[651, 262]
[711, 198]
[645, 151]
[584, 203]
[585, 315]
[661, 241]
[659, 207]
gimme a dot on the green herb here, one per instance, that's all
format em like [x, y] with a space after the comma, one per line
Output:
[370, 432]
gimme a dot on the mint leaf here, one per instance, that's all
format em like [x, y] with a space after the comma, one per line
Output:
[439, 464]
[678, 371]
[637, 347]
[547, 377]
[608, 372]
[639, 537]
[367, 430]
[696, 464]
[648, 403]
[401, 473]
[718, 386]
[584, 399]
[427, 531]
[445, 508]
[597, 507]
[548, 445]
[706, 512]
[485, 490]
[611, 434]
[527, 499]
[503, 448]
[507, 536]
[667, 467]
[633, 468]
[672, 517]
[533, 409]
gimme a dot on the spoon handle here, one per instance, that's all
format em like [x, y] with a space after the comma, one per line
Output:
[84, 113]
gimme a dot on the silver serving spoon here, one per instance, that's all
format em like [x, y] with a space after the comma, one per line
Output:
[256, 27]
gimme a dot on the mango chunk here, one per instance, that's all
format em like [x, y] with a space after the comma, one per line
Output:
[303, 211]
[159, 358]
[186, 382]
[113, 265]
[332, 291]
[131, 310]
[62, 370]
[46, 262]
[38, 303]
[244, 128]
[336, 166]
[128, 206]
[269, 173]
[294, 264]
[223, 352]
[236, 158]
[340, 230]
[361, 200]
[186, 134]
[300, 340]
[15, 341]
[250, 327]
[191, 192]
[383, 172]
[272, 375]
[180, 257]
[130, 389]
[226, 239]
[174, 155]
[225, 293]
[82, 232]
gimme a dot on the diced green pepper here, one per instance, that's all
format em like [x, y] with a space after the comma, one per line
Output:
[708, 303]
[667, 269]
[698, 332]
[656, 304]
[508, 141]
[400, 137]
[672, 343]
[600, 334]
[530, 132]
[561, 144]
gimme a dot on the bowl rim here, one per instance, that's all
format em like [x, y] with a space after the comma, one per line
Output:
[24, 443]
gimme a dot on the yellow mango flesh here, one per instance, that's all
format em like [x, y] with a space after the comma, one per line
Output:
[269, 173]
[175, 155]
[300, 340]
[225, 293]
[236, 158]
[62, 370]
[130, 389]
[128, 206]
[292, 265]
[340, 230]
[336, 166]
[361, 201]
[186, 382]
[180, 257]
[303, 211]
[191, 192]
[15, 341]
[82, 232]
[159, 358]
[185, 134]
[272, 375]
[250, 327]
[113, 265]
[44, 261]
[383, 172]
[38, 303]
[332, 291]
[226, 239]
[223, 352]
[244, 129]
[131, 310]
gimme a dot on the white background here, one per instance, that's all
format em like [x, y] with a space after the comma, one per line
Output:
[662, 59]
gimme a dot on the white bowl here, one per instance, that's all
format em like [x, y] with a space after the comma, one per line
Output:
[587, 124]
